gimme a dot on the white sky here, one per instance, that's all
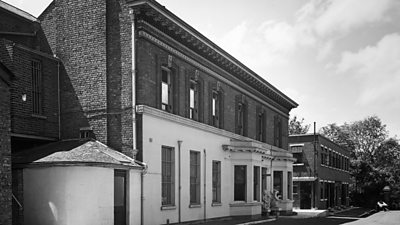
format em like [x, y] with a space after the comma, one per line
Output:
[339, 59]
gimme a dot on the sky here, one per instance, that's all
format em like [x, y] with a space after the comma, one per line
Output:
[338, 59]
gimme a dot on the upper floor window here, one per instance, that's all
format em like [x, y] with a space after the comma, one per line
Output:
[194, 100]
[36, 67]
[215, 108]
[241, 116]
[166, 90]
[260, 126]
[278, 132]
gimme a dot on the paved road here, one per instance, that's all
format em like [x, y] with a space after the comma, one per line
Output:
[380, 218]
[351, 217]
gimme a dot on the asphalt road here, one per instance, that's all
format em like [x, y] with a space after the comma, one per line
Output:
[351, 217]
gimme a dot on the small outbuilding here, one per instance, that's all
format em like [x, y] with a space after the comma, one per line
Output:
[78, 182]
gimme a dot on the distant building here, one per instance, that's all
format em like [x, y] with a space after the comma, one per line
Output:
[130, 76]
[321, 174]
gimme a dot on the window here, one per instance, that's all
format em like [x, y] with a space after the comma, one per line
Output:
[240, 119]
[216, 181]
[278, 132]
[260, 126]
[240, 183]
[168, 176]
[321, 190]
[85, 133]
[289, 185]
[36, 87]
[194, 100]
[256, 184]
[278, 178]
[166, 90]
[215, 109]
[194, 177]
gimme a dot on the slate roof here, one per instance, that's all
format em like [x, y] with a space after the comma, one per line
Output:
[73, 152]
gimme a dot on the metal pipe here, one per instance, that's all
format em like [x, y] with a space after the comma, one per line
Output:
[179, 180]
[204, 191]
[59, 99]
[134, 141]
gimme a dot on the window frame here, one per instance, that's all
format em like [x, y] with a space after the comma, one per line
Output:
[37, 86]
[240, 194]
[168, 105]
[195, 178]
[167, 184]
[216, 181]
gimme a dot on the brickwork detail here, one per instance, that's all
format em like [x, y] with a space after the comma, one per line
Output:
[5, 155]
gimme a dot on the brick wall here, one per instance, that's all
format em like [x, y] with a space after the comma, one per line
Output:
[151, 58]
[5, 154]
[80, 43]
[93, 41]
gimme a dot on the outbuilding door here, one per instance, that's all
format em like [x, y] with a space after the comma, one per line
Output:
[119, 197]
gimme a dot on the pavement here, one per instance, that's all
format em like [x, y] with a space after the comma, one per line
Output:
[379, 218]
[351, 216]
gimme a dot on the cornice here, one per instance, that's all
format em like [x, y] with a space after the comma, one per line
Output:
[157, 14]
[165, 46]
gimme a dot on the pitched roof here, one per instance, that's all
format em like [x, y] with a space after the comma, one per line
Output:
[73, 152]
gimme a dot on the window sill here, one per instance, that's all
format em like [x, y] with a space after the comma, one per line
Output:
[39, 116]
[171, 207]
[195, 206]
[216, 204]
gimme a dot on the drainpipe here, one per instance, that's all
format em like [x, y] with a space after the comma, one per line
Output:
[133, 69]
[144, 171]
[134, 141]
[179, 180]
[204, 191]
[59, 97]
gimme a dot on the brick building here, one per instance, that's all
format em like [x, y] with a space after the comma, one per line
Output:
[321, 174]
[31, 133]
[5, 146]
[138, 79]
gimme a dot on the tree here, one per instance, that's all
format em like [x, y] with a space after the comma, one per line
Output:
[297, 126]
[375, 160]
[339, 134]
[367, 135]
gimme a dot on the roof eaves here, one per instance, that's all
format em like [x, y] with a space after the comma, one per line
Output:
[18, 11]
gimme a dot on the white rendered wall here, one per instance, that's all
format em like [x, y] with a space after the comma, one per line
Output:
[76, 195]
[158, 132]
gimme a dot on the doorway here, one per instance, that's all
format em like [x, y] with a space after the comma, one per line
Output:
[305, 195]
[120, 197]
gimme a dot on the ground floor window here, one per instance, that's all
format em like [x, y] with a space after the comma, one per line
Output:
[256, 183]
[194, 177]
[167, 176]
[240, 183]
[278, 182]
[289, 185]
[216, 181]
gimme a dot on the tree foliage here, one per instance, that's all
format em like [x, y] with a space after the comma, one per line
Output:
[297, 126]
[375, 158]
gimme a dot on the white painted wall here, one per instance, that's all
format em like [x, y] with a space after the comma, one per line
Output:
[158, 132]
[75, 195]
